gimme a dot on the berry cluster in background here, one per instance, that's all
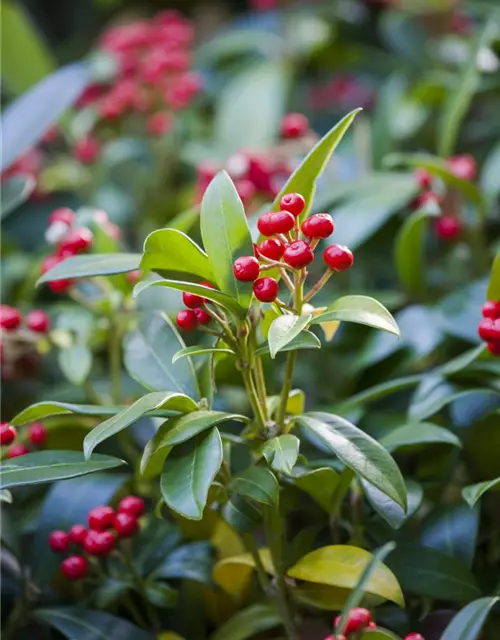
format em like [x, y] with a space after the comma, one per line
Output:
[34, 436]
[489, 327]
[357, 620]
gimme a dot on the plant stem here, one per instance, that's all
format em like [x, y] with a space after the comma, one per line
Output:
[319, 285]
[261, 572]
[134, 612]
[253, 396]
[141, 587]
[291, 359]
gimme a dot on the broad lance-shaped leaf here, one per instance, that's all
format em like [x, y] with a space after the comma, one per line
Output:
[360, 309]
[42, 410]
[248, 623]
[256, 483]
[389, 510]
[304, 340]
[189, 472]
[358, 451]
[473, 492]
[226, 236]
[416, 433]
[157, 400]
[200, 351]
[281, 452]
[48, 466]
[172, 250]
[178, 430]
[284, 329]
[98, 264]
[468, 622]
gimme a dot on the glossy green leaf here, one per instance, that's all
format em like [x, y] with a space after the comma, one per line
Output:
[455, 365]
[48, 466]
[189, 472]
[473, 492]
[119, 422]
[172, 250]
[15, 191]
[493, 292]
[343, 566]
[256, 483]
[390, 510]
[380, 391]
[76, 363]
[200, 351]
[226, 236]
[178, 430]
[281, 452]
[188, 562]
[248, 623]
[416, 433]
[359, 309]
[284, 329]
[242, 516]
[468, 622]
[42, 410]
[97, 264]
[320, 484]
[357, 450]
[304, 340]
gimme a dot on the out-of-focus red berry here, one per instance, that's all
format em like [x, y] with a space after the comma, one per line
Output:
[125, 524]
[37, 434]
[448, 228]
[202, 316]
[463, 166]
[186, 320]
[8, 434]
[426, 198]
[64, 215]
[134, 276]
[491, 309]
[87, 150]
[159, 123]
[192, 301]
[414, 636]
[493, 348]
[77, 240]
[101, 517]
[17, 450]
[294, 125]
[338, 257]
[246, 190]
[59, 541]
[77, 534]
[60, 286]
[10, 318]
[131, 504]
[99, 543]
[74, 567]
[357, 620]
[293, 202]
[423, 178]
[489, 330]
[38, 321]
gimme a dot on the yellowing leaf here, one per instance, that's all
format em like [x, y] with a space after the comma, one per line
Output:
[233, 574]
[322, 596]
[226, 541]
[330, 329]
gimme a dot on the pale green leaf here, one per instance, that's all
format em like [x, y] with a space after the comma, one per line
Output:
[360, 309]
[284, 329]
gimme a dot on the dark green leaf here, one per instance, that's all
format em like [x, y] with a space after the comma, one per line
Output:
[360, 309]
[380, 391]
[256, 483]
[468, 622]
[389, 510]
[241, 515]
[199, 351]
[97, 264]
[155, 543]
[462, 361]
[493, 292]
[281, 452]
[161, 595]
[172, 250]
[284, 329]
[15, 191]
[190, 562]
[304, 340]
[473, 492]
[111, 591]
[42, 410]
[416, 433]
[248, 623]
[320, 484]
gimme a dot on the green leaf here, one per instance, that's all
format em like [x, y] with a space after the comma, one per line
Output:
[357, 450]
[15, 191]
[304, 340]
[281, 452]
[5, 496]
[189, 562]
[200, 290]
[380, 391]
[76, 623]
[172, 250]
[42, 410]
[389, 510]
[226, 236]
[360, 309]
[178, 430]
[493, 292]
[473, 492]
[320, 484]
[303, 180]
[416, 433]
[76, 363]
[48, 466]
[295, 404]
[87, 266]
[427, 572]
[148, 353]
[379, 634]
[468, 622]
[119, 422]
[256, 483]
[462, 361]
[189, 472]
[248, 623]
[242, 516]
[343, 566]
[199, 351]
[284, 329]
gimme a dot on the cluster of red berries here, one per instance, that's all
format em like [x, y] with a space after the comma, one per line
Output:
[357, 621]
[105, 526]
[19, 336]
[259, 174]
[489, 327]
[37, 435]
[11, 320]
[284, 248]
[448, 226]
[196, 313]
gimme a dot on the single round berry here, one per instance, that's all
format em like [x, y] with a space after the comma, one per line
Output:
[37, 434]
[74, 567]
[125, 524]
[463, 167]
[371, 625]
[87, 150]
[99, 543]
[186, 320]
[489, 330]
[318, 226]
[134, 276]
[64, 215]
[298, 254]
[17, 450]
[77, 534]
[60, 286]
[101, 518]
[202, 316]
[192, 301]
[59, 541]
[264, 224]
[357, 620]
[266, 289]
[293, 202]
[271, 248]
[493, 348]
[77, 240]
[491, 309]
[38, 321]
[423, 178]
[131, 504]
[7, 434]
[10, 318]
[281, 222]
[448, 228]
[294, 125]
[49, 262]
[246, 269]
[338, 257]
[414, 636]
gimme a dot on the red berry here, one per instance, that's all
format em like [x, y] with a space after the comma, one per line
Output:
[463, 167]
[491, 309]
[101, 517]
[159, 123]
[202, 316]
[99, 543]
[264, 224]
[64, 215]
[266, 289]
[424, 178]
[246, 190]
[294, 125]
[7, 434]
[87, 150]
[77, 534]
[493, 348]
[38, 321]
[134, 276]
[186, 320]
[125, 524]
[271, 248]
[60, 286]
[207, 284]
[489, 330]
[192, 301]
[37, 434]
[338, 257]
[318, 226]
[17, 450]
[414, 636]
[448, 228]
[59, 541]
[74, 567]
[281, 222]
[77, 240]
[298, 254]
[428, 197]
[371, 625]
[293, 202]
[49, 262]
[10, 318]
[131, 504]
[246, 269]
[357, 620]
